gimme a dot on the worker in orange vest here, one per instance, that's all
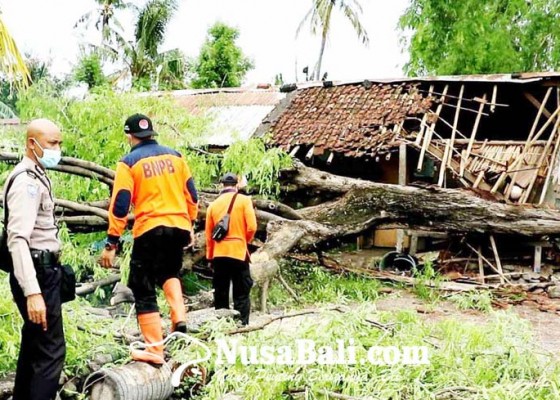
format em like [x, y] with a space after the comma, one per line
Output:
[229, 257]
[157, 181]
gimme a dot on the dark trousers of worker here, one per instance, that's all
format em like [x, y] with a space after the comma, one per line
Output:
[157, 256]
[230, 271]
[41, 355]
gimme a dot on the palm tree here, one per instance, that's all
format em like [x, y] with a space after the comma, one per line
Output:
[12, 64]
[103, 17]
[142, 56]
[320, 19]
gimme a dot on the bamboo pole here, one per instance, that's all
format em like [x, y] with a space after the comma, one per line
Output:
[474, 131]
[428, 136]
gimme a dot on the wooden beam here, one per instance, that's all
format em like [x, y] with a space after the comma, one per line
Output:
[451, 143]
[402, 182]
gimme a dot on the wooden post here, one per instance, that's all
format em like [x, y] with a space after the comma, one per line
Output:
[497, 257]
[402, 182]
[480, 266]
[473, 133]
[428, 136]
[537, 260]
[413, 244]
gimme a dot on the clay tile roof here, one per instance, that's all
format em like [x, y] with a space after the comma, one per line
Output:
[349, 119]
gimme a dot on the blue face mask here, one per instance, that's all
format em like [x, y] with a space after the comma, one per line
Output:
[50, 158]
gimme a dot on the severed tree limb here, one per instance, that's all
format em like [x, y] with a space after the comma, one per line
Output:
[72, 205]
[88, 288]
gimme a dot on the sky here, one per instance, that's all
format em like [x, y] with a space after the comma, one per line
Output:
[45, 29]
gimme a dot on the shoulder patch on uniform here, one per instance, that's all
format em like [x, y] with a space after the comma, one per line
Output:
[32, 190]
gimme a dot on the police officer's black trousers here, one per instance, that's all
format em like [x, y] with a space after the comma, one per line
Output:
[230, 271]
[157, 256]
[41, 355]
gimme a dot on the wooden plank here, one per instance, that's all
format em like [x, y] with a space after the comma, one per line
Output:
[497, 258]
[540, 162]
[519, 160]
[428, 136]
[473, 133]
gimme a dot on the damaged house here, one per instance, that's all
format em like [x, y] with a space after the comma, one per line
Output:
[494, 135]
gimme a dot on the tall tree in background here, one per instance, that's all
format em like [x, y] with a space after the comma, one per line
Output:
[221, 62]
[12, 65]
[319, 17]
[471, 36]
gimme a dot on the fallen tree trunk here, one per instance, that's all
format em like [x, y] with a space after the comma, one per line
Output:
[363, 205]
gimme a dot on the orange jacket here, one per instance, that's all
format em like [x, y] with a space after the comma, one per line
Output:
[157, 181]
[242, 226]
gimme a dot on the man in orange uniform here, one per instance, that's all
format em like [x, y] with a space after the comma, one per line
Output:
[157, 181]
[230, 256]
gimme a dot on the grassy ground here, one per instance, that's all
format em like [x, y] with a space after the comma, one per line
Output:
[474, 351]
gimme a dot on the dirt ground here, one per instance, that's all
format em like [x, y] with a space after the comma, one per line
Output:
[546, 325]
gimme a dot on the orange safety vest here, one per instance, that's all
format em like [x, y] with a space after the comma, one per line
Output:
[242, 226]
[157, 181]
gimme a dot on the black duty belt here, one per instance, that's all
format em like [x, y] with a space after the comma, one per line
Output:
[44, 257]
